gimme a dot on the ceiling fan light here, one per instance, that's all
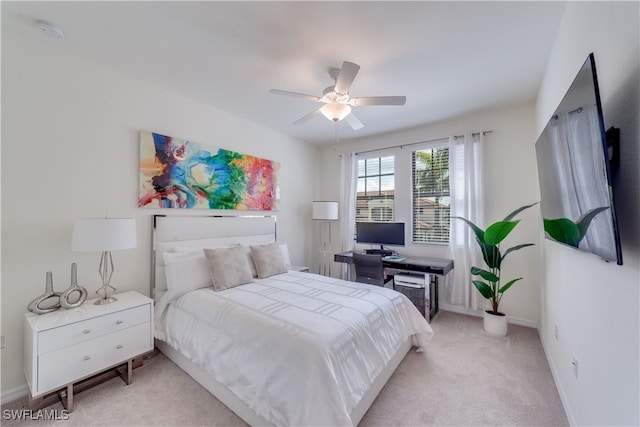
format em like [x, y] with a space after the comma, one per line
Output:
[335, 111]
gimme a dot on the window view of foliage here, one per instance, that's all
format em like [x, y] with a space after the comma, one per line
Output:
[431, 198]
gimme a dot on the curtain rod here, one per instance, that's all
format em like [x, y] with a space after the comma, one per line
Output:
[484, 132]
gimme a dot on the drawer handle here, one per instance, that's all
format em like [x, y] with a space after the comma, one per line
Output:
[119, 322]
[119, 346]
[87, 358]
[86, 331]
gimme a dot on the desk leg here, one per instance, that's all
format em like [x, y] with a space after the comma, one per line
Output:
[433, 296]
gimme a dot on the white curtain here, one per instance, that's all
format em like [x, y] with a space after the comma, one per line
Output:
[348, 188]
[467, 201]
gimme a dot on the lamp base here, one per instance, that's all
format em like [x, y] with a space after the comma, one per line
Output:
[106, 300]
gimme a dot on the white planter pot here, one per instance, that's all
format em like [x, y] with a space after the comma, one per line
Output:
[495, 324]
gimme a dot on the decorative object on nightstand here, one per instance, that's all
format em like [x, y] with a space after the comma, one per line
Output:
[67, 348]
[104, 235]
[35, 305]
[325, 211]
[65, 300]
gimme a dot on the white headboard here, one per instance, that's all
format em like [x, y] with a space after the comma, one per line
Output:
[203, 231]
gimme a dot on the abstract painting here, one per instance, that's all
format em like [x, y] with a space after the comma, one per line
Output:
[176, 173]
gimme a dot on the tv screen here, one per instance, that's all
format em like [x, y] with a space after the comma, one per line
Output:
[574, 172]
[380, 233]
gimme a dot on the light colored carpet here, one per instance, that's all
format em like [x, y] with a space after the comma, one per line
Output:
[465, 378]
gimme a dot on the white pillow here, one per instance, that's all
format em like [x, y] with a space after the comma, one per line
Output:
[284, 250]
[200, 249]
[185, 272]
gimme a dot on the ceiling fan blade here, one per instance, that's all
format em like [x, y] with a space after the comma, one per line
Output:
[353, 121]
[379, 100]
[296, 94]
[308, 117]
[348, 72]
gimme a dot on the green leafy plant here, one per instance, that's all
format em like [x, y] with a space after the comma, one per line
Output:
[565, 231]
[489, 241]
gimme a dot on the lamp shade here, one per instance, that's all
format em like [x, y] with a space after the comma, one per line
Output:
[103, 234]
[335, 111]
[327, 211]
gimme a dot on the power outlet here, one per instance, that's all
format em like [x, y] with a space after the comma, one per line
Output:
[574, 363]
[556, 330]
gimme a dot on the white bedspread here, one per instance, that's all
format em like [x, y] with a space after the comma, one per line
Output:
[297, 348]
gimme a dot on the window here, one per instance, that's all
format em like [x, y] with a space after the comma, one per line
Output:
[375, 192]
[430, 178]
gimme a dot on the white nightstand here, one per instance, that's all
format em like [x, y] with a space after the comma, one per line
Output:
[67, 346]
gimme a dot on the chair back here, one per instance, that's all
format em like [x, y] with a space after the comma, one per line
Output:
[369, 268]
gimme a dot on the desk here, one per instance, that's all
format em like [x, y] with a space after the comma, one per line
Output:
[433, 266]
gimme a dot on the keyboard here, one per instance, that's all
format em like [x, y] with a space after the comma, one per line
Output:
[394, 258]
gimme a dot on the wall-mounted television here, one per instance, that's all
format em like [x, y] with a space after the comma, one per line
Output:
[380, 233]
[575, 173]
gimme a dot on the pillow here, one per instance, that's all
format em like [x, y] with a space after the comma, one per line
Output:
[246, 249]
[284, 250]
[185, 272]
[228, 267]
[268, 260]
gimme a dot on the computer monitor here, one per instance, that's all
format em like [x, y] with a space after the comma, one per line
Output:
[380, 233]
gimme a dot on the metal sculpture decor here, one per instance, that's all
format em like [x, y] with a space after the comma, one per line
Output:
[65, 300]
[37, 305]
[52, 301]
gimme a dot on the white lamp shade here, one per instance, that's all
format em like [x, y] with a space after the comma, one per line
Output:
[327, 211]
[335, 111]
[103, 234]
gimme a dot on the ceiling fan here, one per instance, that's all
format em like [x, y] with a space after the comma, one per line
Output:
[336, 99]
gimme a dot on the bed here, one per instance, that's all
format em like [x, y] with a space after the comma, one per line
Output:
[285, 347]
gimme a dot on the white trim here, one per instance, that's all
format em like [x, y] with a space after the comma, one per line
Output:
[478, 313]
[15, 394]
[554, 373]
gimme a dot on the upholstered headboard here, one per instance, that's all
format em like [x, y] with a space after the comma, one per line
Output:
[171, 232]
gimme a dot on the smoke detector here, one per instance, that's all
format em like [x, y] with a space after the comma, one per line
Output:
[51, 30]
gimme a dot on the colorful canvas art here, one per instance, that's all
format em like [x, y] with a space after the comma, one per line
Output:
[176, 173]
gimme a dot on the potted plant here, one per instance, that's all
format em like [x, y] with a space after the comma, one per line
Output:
[491, 286]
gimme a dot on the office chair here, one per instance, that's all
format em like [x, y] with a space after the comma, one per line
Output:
[369, 269]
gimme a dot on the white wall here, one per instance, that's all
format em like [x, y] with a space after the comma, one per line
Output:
[596, 304]
[511, 182]
[70, 150]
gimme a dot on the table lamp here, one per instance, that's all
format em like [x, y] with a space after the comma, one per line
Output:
[104, 235]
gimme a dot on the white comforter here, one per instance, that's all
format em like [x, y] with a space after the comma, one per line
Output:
[297, 348]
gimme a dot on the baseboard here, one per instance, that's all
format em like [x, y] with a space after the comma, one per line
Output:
[14, 394]
[554, 374]
[478, 313]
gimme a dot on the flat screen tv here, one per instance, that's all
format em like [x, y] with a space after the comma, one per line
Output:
[380, 233]
[575, 173]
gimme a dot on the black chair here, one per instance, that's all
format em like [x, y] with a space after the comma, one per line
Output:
[369, 269]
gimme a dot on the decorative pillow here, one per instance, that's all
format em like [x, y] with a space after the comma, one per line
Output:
[185, 272]
[228, 267]
[246, 249]
[268, 260]
[284, 250]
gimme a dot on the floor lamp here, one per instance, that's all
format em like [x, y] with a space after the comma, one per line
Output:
[325, 212]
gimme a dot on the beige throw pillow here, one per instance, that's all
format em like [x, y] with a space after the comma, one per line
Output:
[228, 267]
[268, 260]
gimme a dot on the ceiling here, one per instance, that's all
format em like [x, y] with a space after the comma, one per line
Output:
[447, 58]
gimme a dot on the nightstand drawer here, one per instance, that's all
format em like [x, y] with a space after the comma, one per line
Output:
[89, 329]
[68, 364]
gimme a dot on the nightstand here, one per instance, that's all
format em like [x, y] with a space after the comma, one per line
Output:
[66, 346]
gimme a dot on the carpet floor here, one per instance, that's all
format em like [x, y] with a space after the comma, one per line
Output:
[464, 378]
